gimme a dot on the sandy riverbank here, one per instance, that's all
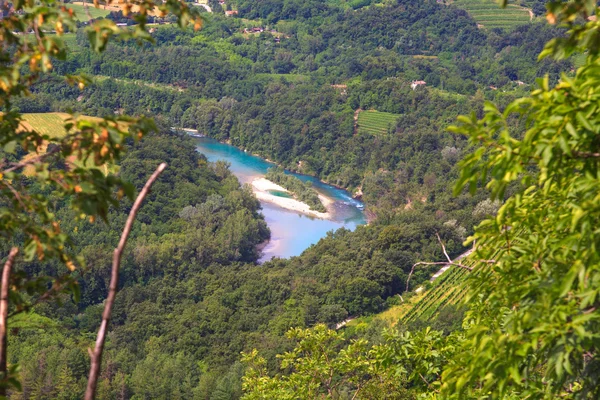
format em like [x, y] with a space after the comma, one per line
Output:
[262, 186]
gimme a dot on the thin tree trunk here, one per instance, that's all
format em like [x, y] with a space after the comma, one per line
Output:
[4, 314]
[96, 355]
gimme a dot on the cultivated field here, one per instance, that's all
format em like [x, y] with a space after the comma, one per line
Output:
[448, 289]
[489, 14]
[70, 40]
[373, 122]
[102, 11]
[51, 124]
[92, 12]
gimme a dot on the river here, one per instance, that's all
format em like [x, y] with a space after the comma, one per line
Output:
[291, 232]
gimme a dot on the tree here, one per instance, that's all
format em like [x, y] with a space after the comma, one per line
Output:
[32, 38]
[323, 366]
[532, 329]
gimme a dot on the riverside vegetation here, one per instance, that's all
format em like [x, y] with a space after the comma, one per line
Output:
[191, 297]
[302, 191]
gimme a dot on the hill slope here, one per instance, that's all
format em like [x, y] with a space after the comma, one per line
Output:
[487, 13]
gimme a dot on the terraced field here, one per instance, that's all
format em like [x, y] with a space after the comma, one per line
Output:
[70, 40]
[102, 11]
[51, 124]
[448, 289]
[373, 122]
[489, 14]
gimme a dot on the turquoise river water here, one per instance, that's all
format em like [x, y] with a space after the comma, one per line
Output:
[291, 232]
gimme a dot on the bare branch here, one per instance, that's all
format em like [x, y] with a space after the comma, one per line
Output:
[87, 10]
[56, 288]
[96, 361]
[436, 263]
[4, 313]
[33, 160]
[16, 194]
[443, 247]
[358, 387]
[449, 262]
[580, 154]
[428, 384]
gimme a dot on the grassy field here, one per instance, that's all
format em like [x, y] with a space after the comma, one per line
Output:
[373, 122]
[423, 57]
[51, 124]
[100, 12]
[139, 82]
[489, 14]
[82, 15]
[288, 77]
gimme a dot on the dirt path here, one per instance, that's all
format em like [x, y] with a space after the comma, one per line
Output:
[445, 267]
[343, 323]
[206, 7]
[356, 120]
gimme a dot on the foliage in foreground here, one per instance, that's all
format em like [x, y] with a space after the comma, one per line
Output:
[30, 43]
[324, 364]
[534, 318]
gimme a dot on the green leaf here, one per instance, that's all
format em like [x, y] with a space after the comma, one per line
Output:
[584, 121]
[10, 146]
[567, 281]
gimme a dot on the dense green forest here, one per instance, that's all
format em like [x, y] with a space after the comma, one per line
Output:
[191, 288]
[294, 101]
[196, 315]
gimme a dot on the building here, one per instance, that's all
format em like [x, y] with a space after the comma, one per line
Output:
[253, 30]
[343, 89]
[414, 84]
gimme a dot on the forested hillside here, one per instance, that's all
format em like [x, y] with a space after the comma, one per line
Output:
[189, 291]
[359, 94]
[196, 215]
[294, 100]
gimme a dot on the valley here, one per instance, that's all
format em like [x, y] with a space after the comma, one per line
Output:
[292, 231]
[295, 240]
